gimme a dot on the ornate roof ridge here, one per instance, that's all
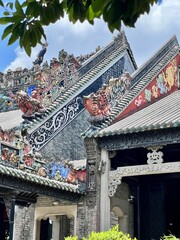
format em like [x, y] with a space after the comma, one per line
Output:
[130, 96]
[138, 86]
[70, 93]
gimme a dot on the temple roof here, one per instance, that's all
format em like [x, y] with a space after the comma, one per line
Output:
[97, 67]
[162, 114]
[141, 79]
[41, 181]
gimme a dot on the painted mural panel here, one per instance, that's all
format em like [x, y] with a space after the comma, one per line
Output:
[163, 84]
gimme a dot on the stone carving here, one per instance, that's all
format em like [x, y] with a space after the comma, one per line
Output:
[159, 168]
[112, 154]
[155, 156]
[140, 139]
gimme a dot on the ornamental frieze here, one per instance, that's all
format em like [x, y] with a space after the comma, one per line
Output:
[115, 177]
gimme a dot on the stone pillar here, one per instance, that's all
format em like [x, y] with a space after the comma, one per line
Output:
[89, 207]
[37, 230]
[9, 200]
[24, 222]
[55, 227]
[104, 196]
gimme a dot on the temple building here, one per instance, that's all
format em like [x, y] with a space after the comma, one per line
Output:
[136, 152]
[96, 144]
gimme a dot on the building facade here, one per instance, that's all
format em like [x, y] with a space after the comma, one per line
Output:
[102, 152]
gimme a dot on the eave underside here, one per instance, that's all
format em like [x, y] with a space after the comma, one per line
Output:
[140, 139]
[29, 192]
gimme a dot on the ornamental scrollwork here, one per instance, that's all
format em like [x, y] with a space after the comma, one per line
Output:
[55, 124]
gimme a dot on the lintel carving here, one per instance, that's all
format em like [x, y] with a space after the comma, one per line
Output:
[139, 170]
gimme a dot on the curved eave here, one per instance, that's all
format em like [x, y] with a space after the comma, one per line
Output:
[41, 181]
[139, 129]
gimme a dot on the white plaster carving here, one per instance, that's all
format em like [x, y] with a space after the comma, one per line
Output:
[138, 170]
[155, 156]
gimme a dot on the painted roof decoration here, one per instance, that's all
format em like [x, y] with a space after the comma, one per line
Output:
[99, 104]
[40, 108]
[156, 79]
[17, 157]
[164, 113]
[52, 79]
[52, 95]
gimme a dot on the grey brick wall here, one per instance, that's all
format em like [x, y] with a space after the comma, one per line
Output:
[68, 144]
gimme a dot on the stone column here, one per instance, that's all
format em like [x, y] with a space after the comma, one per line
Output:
[9, 200]
[55, 227]
[104, 196]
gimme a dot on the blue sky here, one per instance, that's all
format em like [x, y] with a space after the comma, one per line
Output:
[150, 33]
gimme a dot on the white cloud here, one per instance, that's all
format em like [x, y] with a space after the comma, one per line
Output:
[22, 59]
[76, 38]
[154, 29]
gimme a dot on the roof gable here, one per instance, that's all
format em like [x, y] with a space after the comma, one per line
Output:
[157, 78]
[165, 82]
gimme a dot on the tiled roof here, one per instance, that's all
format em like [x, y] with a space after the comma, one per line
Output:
[164, 113]
[84, 81]
[41, 181]
[145, 74]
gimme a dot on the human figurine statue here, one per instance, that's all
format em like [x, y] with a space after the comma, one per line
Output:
[40, 55]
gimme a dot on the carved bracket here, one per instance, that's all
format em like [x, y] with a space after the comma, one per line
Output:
[155, 156]
[114, 181]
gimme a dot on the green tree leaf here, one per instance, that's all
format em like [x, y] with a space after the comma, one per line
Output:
[7, 31]
[36, 14]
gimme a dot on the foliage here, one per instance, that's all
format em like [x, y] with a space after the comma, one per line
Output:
[25, 19]
[169, 237]
[71, 238]
[112, 234]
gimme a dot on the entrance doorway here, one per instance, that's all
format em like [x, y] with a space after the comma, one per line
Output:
[46, 230]
[173, 207]
[159, 206]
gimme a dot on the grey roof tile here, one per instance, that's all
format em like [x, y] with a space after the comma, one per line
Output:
[164, 113]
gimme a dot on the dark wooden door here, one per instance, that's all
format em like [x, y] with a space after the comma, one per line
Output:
[46, 230]
[173, 206]
[152, 208]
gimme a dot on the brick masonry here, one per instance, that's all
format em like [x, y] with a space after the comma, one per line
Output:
[68, 144]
